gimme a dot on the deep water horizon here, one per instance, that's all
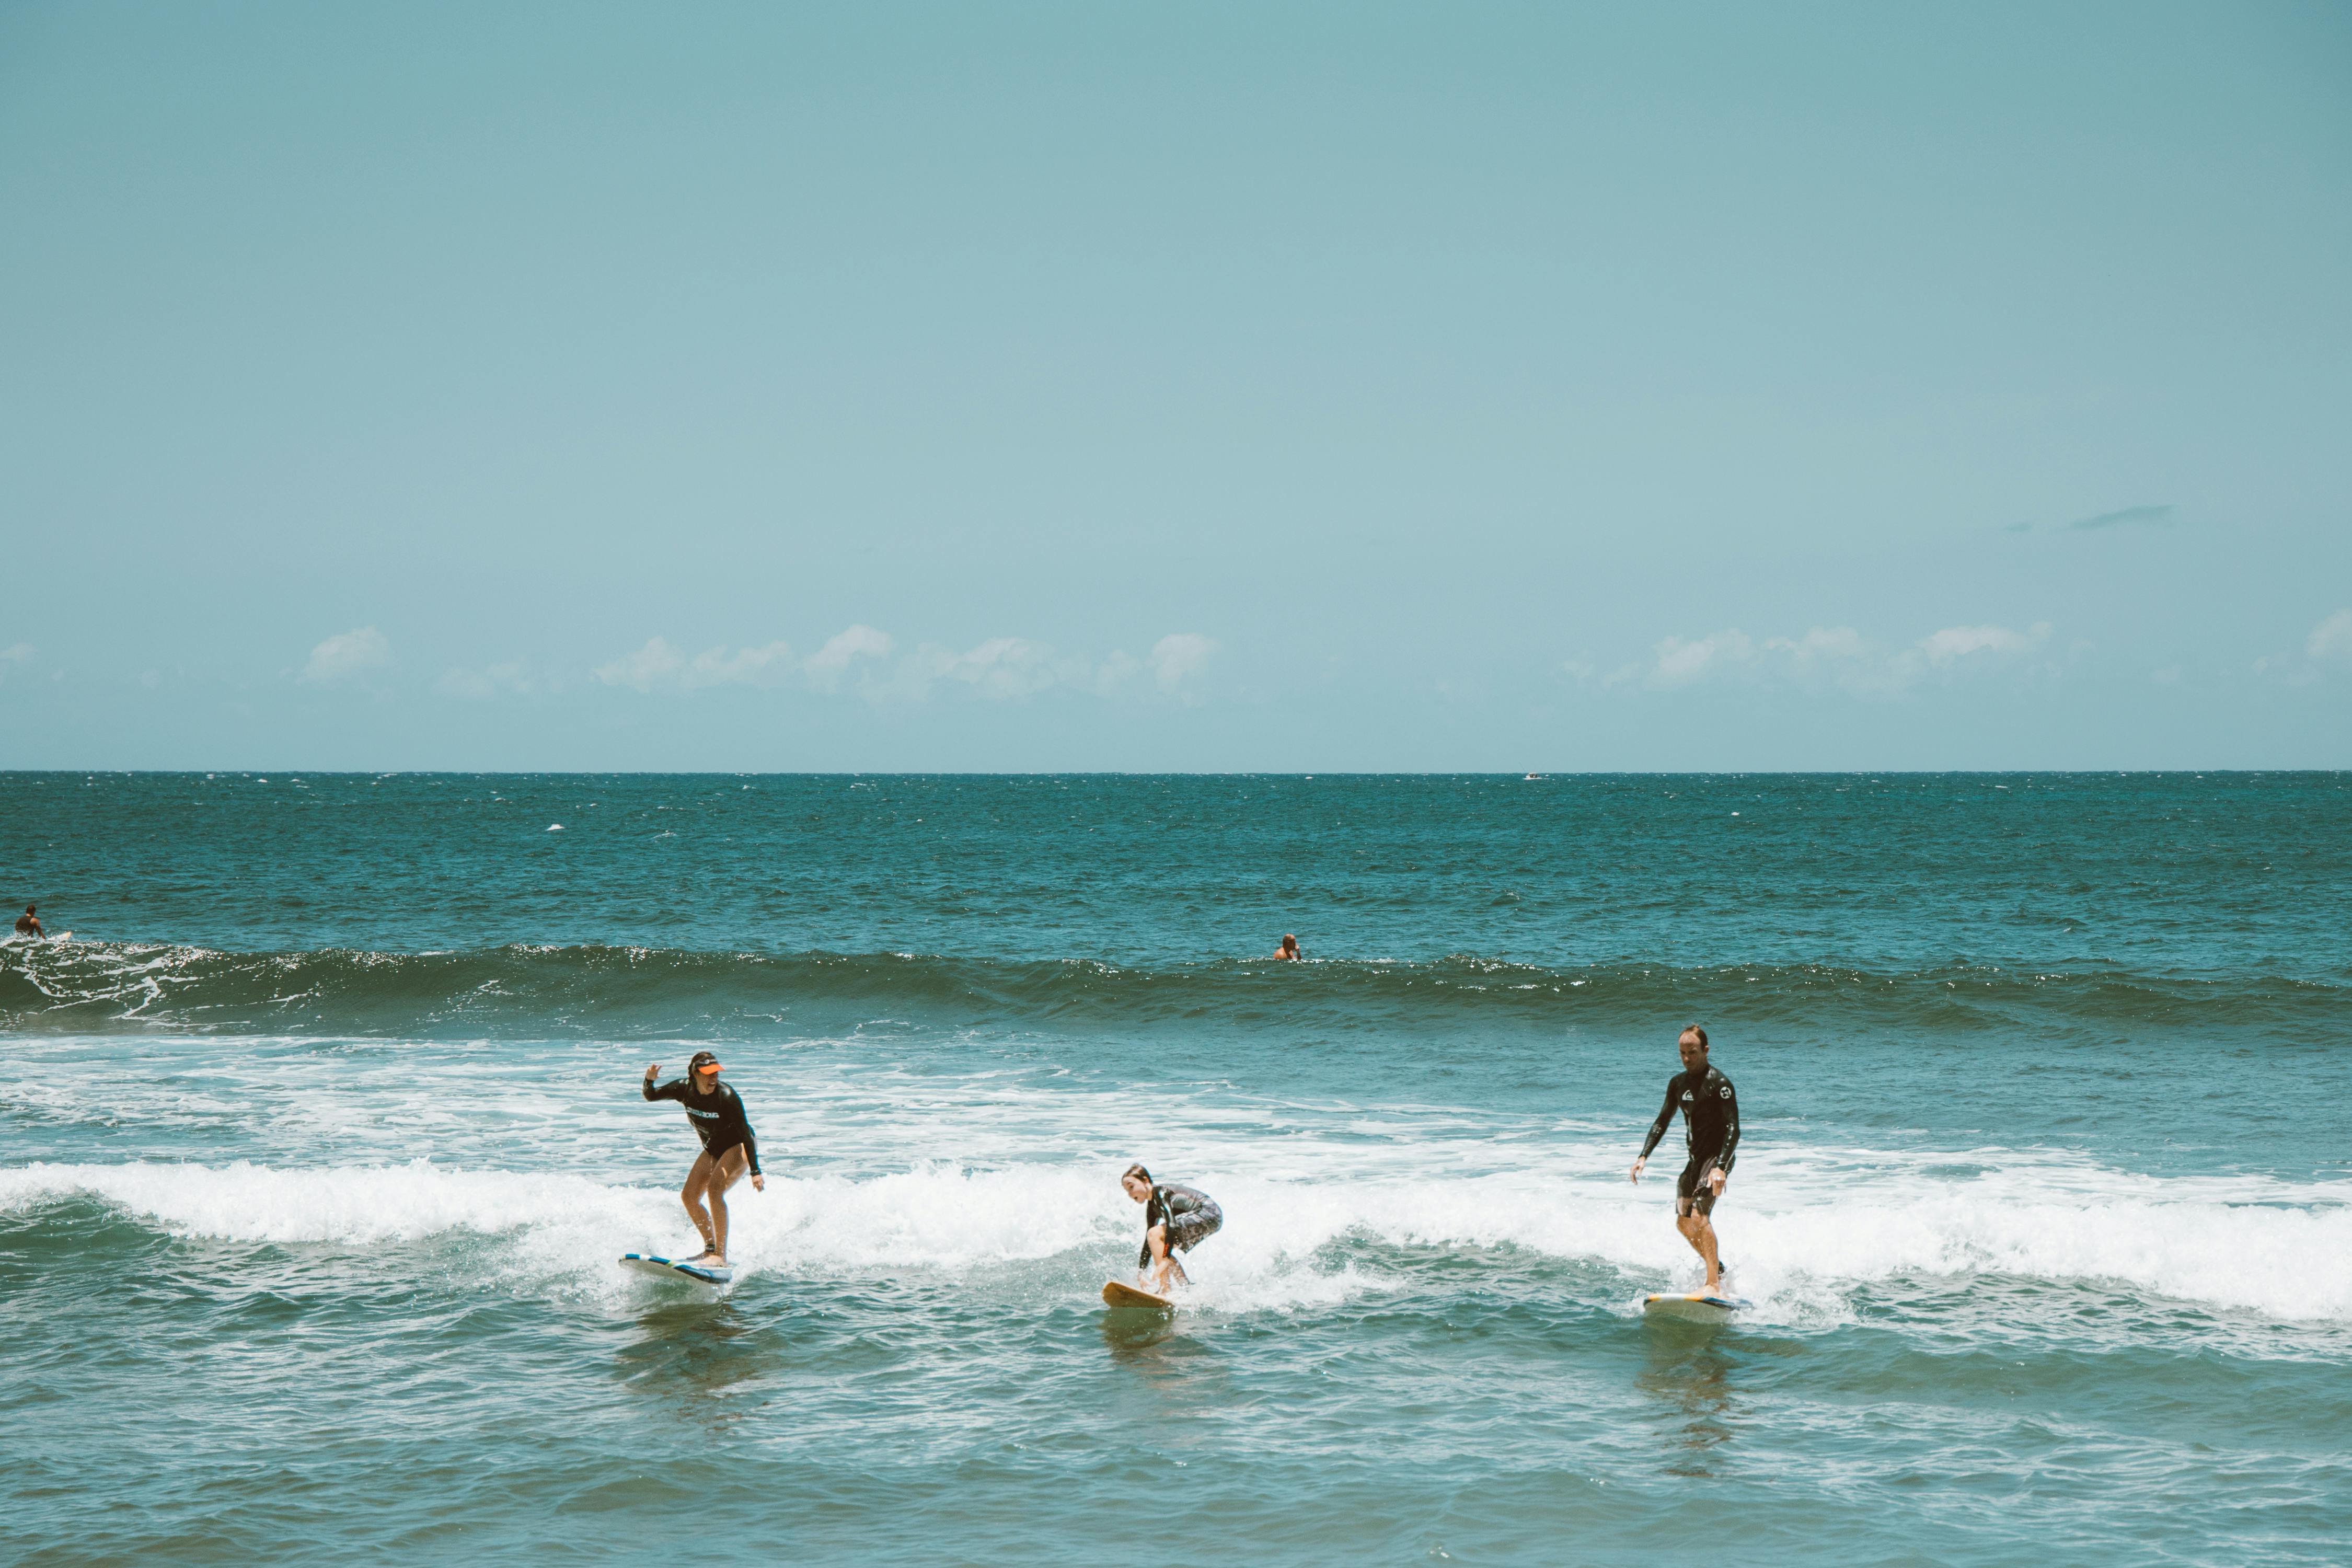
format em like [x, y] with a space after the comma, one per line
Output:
[322, 1134]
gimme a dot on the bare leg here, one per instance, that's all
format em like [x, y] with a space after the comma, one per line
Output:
[691, 1195]
[1699, 1231]
[723, 1173]
[1162, 1260]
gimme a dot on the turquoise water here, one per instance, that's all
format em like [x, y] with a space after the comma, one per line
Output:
[321, 1136]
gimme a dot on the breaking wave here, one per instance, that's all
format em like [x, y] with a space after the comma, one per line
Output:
[654, 993]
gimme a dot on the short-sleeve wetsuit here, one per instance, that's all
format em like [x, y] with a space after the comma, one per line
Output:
[1711, 1120]
[719, 1119]
[1190, 1215]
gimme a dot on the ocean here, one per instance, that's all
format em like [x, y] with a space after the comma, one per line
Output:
[320, 1139]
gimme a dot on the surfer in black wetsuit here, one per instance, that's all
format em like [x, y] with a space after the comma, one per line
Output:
[29, 924]
[1176, 1219]
[727, 1147]
[1711, 1120]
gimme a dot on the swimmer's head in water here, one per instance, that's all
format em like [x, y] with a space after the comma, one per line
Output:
[1137, 1175]
[704, 1066]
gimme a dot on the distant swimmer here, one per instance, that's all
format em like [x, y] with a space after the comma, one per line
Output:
[1289, 949]
[1176, 1219]
[1711, 1120]
[29, 924]
[727, 1147]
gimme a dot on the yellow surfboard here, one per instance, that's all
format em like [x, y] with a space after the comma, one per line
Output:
[1697, 1307]
[1115, 1294]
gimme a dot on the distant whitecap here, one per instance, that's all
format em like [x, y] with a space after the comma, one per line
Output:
[555, 828]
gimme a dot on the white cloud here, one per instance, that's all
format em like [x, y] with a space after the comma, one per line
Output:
[1955, 643]
[830, 663]
[768, 666]
[347, 654]
[655, 662]
[1007, 669]
[1837, 655]
[1178, 656]
[15, 656]
[2331, 638]
[1822, 645]
[1679, 662]
[660, 663]
[999, 669]
[1115, 672]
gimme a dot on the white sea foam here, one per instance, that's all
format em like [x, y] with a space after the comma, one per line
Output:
[1805, 1231]
[876, 1169]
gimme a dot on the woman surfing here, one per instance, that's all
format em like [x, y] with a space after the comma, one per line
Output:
[1176, 1218]
[728, 1148]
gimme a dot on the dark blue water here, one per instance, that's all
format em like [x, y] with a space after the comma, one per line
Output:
[321, 1136]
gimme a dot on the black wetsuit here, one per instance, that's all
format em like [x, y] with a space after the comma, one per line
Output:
[719, 1119]
[1711, 1119]
[1190, 1215]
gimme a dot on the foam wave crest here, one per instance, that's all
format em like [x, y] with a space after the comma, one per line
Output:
[1804, 1236]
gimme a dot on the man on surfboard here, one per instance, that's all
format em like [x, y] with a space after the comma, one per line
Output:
[1711, 1122]
[1176, 1218]
[727, 1147]
[29, 924]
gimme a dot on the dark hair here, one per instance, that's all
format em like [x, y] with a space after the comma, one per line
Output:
[700, 1058]
[1694, 1029]
[1138, 1171]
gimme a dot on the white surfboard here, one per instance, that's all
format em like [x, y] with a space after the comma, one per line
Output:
[689, 1273]
[1116, 1294]
[1696, 1307]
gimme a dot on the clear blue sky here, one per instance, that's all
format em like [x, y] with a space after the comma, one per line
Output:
[1198, 387]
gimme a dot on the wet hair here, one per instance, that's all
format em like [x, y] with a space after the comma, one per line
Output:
[1694, 1029]
[700, 1058]
[1137, 1171]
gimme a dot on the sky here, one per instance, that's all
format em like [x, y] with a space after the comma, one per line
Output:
[1265, 386]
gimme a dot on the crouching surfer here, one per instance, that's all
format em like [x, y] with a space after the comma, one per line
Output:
[728, 1149]
[1176, 1218]
[1711, 1122]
